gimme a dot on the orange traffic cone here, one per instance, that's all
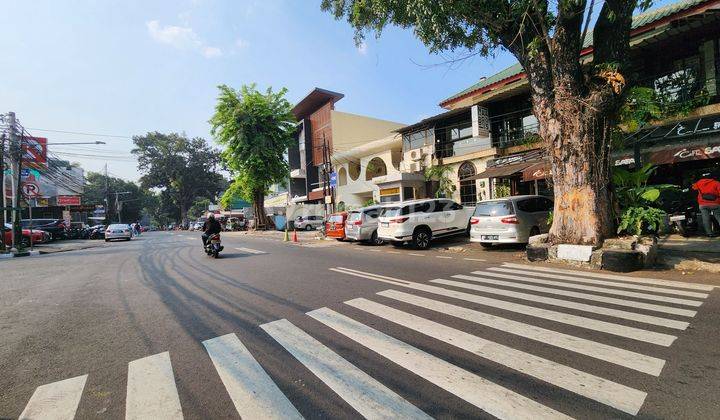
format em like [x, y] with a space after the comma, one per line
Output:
[295, 238]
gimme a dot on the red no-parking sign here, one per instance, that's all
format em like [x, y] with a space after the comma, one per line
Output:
[30, 189]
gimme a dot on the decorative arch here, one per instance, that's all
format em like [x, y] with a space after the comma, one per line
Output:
[342, 177]
[376, 167]
[468, 188]
[354, 170]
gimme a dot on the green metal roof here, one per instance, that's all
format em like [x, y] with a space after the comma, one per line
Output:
[639, 20]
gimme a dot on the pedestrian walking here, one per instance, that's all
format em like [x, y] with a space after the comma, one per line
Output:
[708, 198]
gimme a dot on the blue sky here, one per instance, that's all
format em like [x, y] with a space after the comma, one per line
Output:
[125, 67]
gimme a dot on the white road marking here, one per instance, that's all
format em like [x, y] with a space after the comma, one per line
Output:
[670, 283]
[373, 250]
[593, 309]
[442, 256]
[393, 252]
[251, 390]
[151, 390]
[474, 259]
[55, 401]
[369, 397]
[531, 277]
[250, 251]
[629, 359]
[589, 323]
[587, 296]
[488, 396]
[415, 255]
[618, 396]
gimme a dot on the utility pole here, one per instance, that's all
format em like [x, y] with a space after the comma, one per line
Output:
[17, 143]
[2, 189]
[107, 198]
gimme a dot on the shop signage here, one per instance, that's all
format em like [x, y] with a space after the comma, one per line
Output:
[674, 155]
[390, 191]
[333, 180]
[537, 171]
[34, 152]
[68, 200]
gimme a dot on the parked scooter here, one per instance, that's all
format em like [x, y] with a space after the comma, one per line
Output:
[213, 246]
[684, 215]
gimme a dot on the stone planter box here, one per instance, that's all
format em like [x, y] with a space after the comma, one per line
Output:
[617, 254]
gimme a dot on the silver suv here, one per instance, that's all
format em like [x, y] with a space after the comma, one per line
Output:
[309, 222]
[420, 221]
[362, 224]
[510, 220]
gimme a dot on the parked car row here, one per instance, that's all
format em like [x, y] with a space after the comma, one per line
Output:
[419, 222]
[35, 235]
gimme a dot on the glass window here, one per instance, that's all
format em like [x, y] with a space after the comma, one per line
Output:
[468, 189]
[494, 208]
[354, 216]
[545, 204]
[418, 208]
[336, 218]
[373, 213]
[394, 211]
[408, 193]
[528, 206]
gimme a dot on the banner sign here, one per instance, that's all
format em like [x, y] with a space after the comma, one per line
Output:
[34, 152]
[68, 200]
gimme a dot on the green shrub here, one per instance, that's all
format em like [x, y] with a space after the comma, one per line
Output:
[639, 220]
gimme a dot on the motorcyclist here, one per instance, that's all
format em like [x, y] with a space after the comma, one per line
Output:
[708, 198]
[210, 227]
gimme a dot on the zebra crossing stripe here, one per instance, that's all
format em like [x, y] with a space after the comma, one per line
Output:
[621, 397]
[151, 390]
[524, 276]
[55, 401]
[587, 296]
[659, 282]
[626, 358]
[617, 313]
[486, 395]
[250, 250]
[579, 321]
[251, 390]
[369, 397]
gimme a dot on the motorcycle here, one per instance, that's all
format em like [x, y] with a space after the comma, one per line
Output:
[213, 246]
[684, 215]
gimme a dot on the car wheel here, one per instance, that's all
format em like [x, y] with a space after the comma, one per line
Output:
[486, 244]
[308, 227]
[107, 240]
[421, 238]
[25, 242]
[375, 240]
[397, 244]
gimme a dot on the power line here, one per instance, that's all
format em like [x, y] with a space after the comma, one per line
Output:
[82, 133]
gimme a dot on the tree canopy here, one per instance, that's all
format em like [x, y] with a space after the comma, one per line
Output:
[184, 169]
[133, 204]
[256, 129]
[575, 103]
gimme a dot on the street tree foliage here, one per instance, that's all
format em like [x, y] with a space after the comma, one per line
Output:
[134, 204]
[184, 169]
[199, 208]
[256, 129]
[576, 104]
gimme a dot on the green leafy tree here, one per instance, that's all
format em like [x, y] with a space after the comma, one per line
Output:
[98, 187]
[441, 174]
[184, 169]
[256, 129]
[199, 208]
[576, 104]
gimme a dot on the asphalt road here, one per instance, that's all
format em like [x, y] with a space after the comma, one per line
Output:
[155, 329]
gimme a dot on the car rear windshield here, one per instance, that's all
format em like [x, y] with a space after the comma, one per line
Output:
[118, 227]
[354, 216]
[393, 211]
[494, 208]
[336, 218]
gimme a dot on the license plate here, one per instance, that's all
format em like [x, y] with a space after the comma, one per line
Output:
[384, 224]
[489, 237]
[677, 218]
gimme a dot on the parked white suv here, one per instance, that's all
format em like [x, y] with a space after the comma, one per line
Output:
[420, 221]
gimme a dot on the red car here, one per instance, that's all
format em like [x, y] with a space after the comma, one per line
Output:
[38, 236]
[335, 226]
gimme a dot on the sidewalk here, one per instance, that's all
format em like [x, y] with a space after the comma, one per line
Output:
[690, 254]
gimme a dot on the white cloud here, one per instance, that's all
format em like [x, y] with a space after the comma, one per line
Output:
[362, 48]
[181, 38]
[241, 43]
[211, 52]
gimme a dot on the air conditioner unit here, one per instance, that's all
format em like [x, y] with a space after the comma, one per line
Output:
[416, 154]
[415, 167]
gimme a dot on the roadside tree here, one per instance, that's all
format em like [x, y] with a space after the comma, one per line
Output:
[575, 103]
[184, 169]
[256, 129]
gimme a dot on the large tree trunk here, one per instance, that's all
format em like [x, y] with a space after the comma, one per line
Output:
[262, 221]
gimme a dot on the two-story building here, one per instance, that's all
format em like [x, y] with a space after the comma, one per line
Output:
[321, 133]
[489, 135]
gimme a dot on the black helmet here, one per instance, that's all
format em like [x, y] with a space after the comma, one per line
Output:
[211, 216]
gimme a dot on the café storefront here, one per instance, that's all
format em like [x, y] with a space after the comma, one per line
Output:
[519, 174]
[682, 151]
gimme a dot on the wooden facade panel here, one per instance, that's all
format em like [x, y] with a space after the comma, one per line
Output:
[321, 129]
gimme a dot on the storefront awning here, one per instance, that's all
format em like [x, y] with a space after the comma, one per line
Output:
[673, 154]
[502, 170]
[537, 171]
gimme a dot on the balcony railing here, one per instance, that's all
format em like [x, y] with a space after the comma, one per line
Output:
[524, 135]
[679, 92]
